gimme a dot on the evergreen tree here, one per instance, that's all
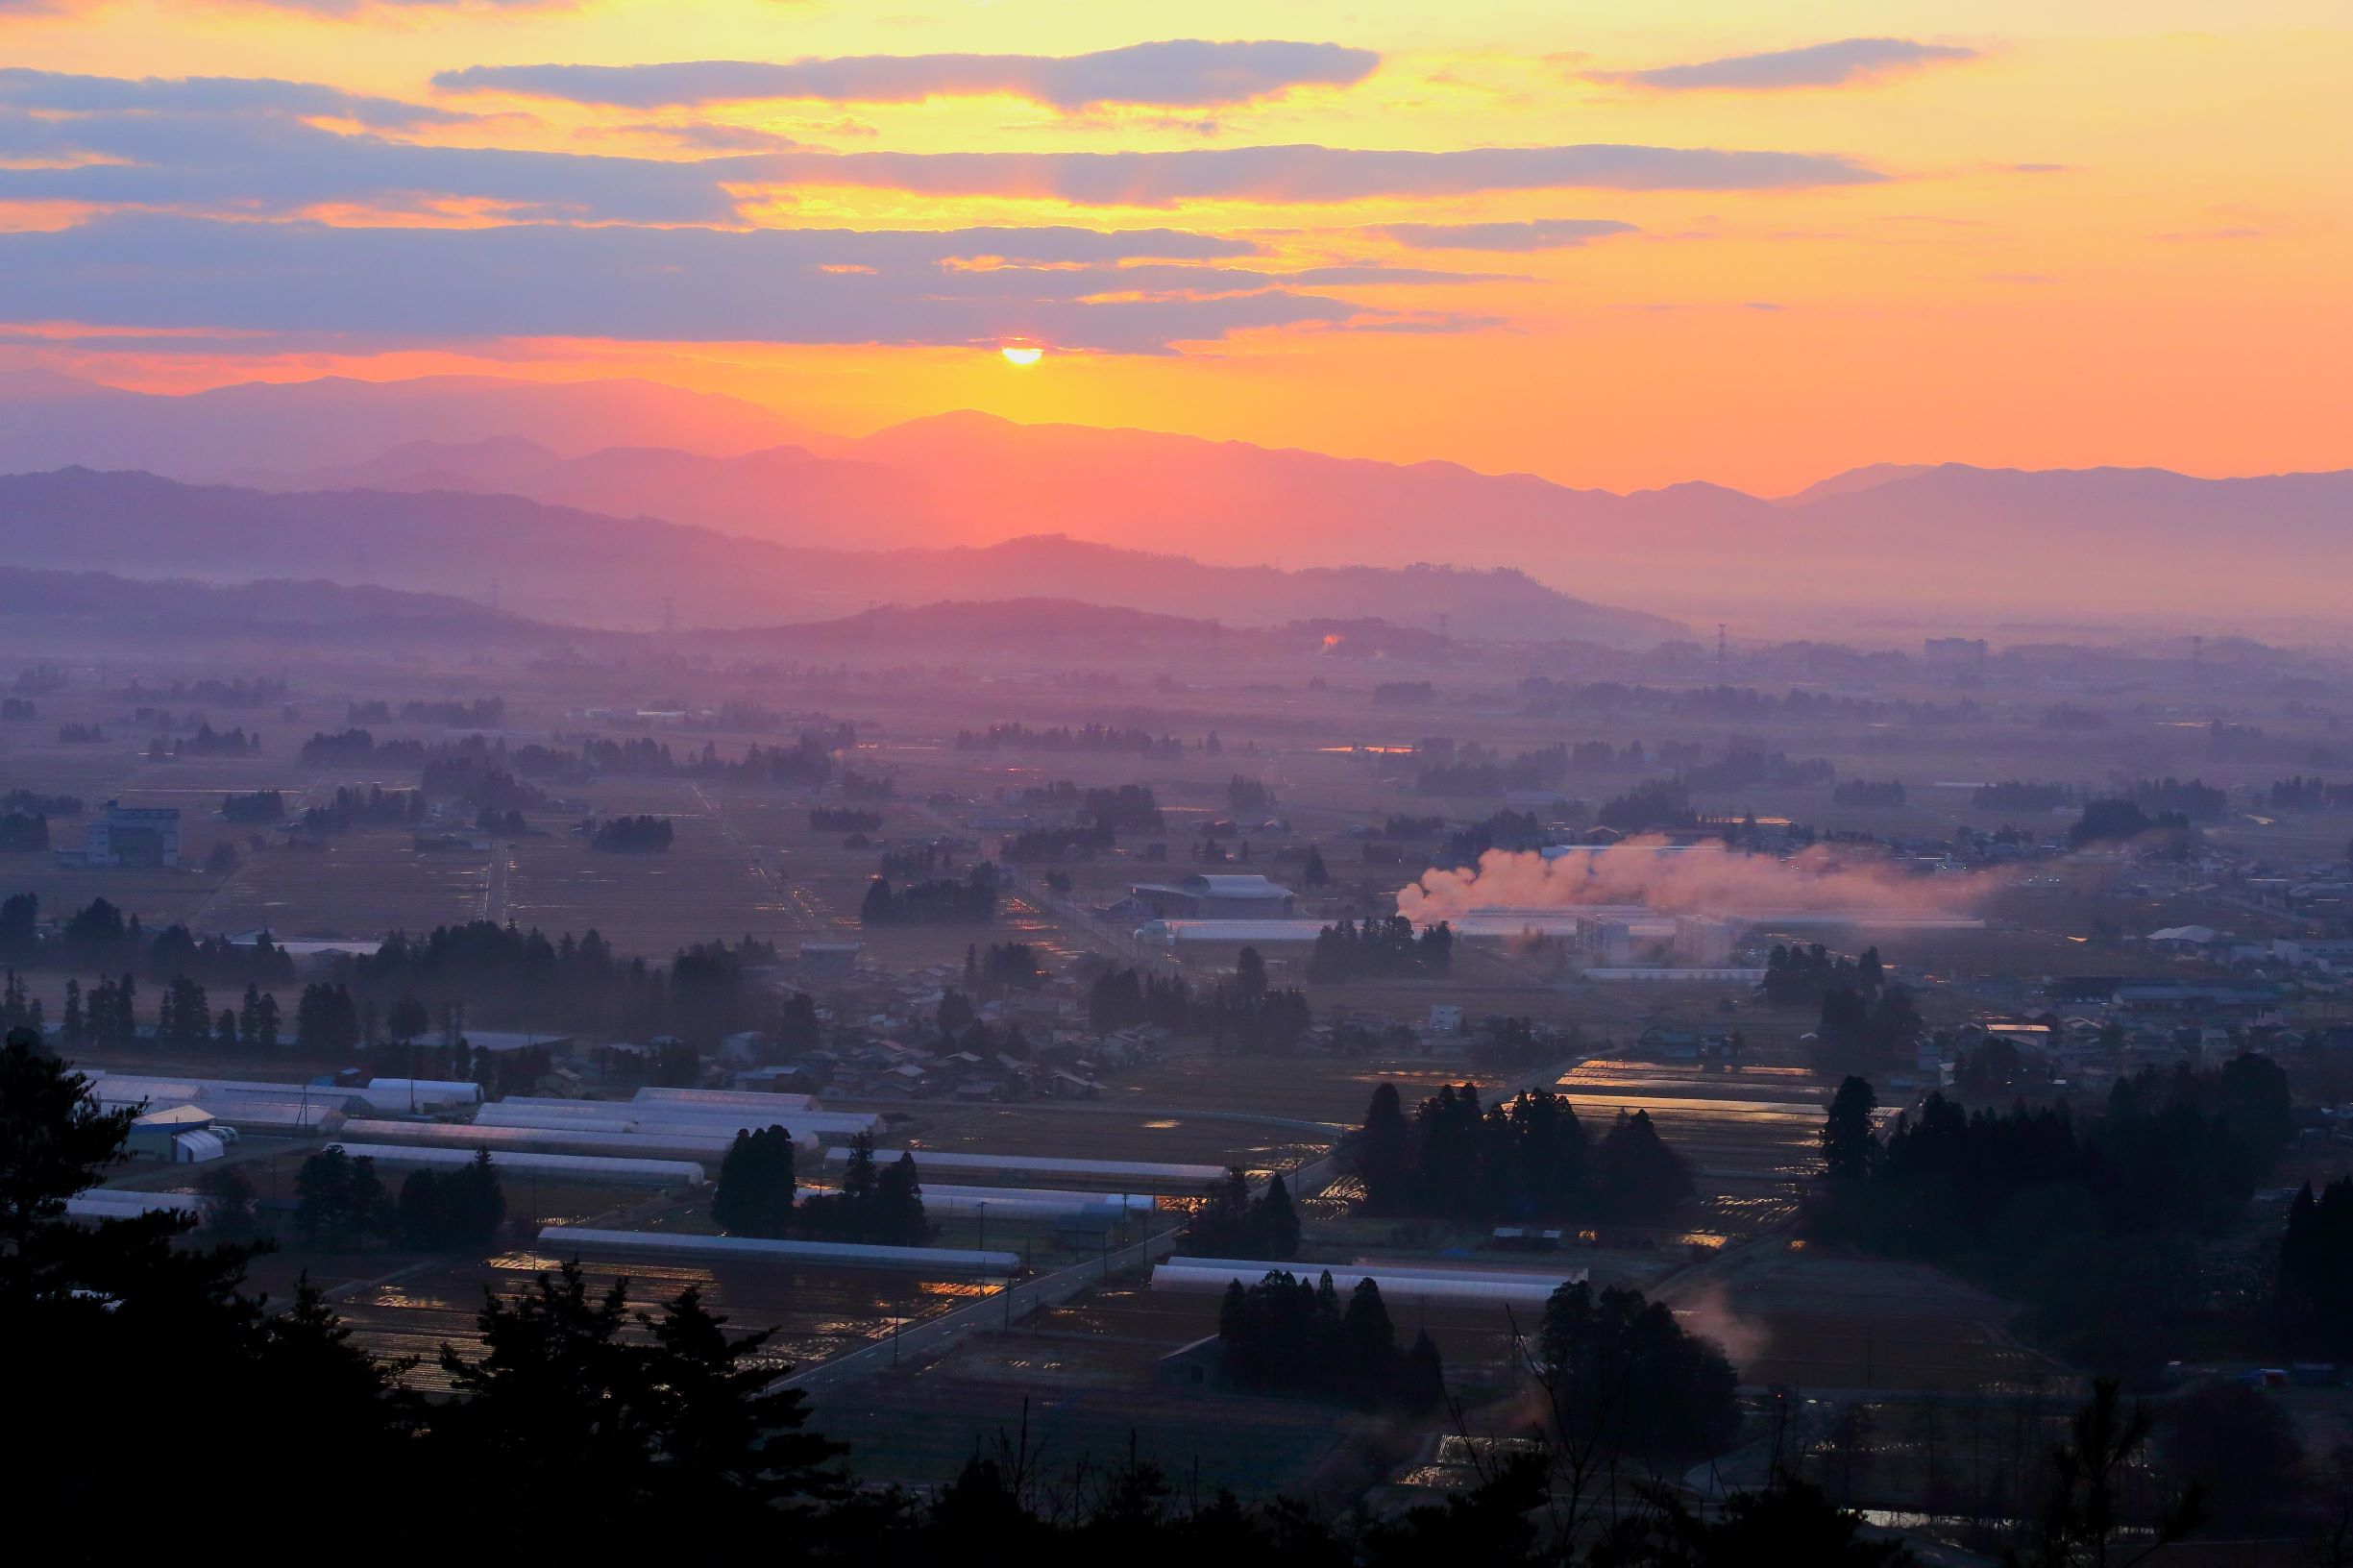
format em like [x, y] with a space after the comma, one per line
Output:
[1384, 1154]
[1624, 1381]
[1276, 1221]
[92, 1310]
[1849, 1148]
[755, 1195]
[341, 1198]
[898, 1204]
[1635, 1175]
[597, 1439]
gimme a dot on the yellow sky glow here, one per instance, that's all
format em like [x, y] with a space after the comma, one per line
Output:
[2120, 233]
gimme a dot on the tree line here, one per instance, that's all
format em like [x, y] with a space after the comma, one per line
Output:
[877, 1204]
[1284, 1333]
[342, 1202]
[1089, 737]
[1526, 1158]
[643, 835]
[1381, 949]
[1241, 1015]
[968, 901]
[2094, 1219]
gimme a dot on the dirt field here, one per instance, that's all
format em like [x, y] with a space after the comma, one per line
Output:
[1082, 1374]
[1333, 1090]
[815, 1312]
[1815, 1323]
[1083, 1135]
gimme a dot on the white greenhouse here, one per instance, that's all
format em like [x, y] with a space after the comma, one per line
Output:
[580, 1167]
[954, 1260]
[1044, 1164]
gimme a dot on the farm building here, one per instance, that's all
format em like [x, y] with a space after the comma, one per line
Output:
[176, 1135]
[1216, 897]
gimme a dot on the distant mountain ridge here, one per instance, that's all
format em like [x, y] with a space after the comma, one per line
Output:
[99, 614]
[561, 564]
[109, 610]
[49, 421]
[1945, 540]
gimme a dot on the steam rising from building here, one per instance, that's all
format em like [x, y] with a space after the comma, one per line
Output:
[1822, 882]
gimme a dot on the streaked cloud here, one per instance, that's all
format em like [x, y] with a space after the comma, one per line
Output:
[261, 147]
[708, 137]
[62, 94]
[1533, 234]
[361, 8]
[1312, 174]
[1183, 73]
[1137, 291]
[1814, 65]
[256, 147]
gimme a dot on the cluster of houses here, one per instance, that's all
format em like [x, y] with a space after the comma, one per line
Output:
[2093, 1029]
[883, 1040]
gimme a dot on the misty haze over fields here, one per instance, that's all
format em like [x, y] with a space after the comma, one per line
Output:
[1379, 785]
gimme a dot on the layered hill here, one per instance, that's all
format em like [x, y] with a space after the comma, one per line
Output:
[1949, 542]
[49, 421]
[563, 564]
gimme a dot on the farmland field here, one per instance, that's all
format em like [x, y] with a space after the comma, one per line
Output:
[1083, 1374]
[1085, 1134]
[1813, 1322]
[815, 1312]
[1750, 1132]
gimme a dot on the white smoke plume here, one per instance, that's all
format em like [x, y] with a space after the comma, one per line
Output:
[1706, 879]
[1711, 1316]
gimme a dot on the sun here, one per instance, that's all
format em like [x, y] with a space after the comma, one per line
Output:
[1016, 354]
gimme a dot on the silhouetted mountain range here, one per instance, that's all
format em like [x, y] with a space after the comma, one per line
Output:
[98, 614]
[560, 564]
[49, 421]
[1946, 539]
[110, 610]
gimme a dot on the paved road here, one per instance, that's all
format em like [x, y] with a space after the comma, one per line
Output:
[997, 1311]
[798, 908]
[495, 886]
[1017, 1302]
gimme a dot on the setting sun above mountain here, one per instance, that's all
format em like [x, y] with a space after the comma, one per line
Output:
[1618, 246]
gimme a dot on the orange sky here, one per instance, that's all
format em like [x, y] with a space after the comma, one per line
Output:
[2102, 232]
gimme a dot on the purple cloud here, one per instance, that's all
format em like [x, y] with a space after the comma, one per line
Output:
[1535, 234]
[1814, 65]
[1311, 174]
[1139, 291]
[1184, 73]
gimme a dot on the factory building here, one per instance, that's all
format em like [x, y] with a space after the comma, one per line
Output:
[1216, 897]
[120, 835]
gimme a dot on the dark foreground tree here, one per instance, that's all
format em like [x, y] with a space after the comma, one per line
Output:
[595, 1437]
[1791, 1521]
[99, 1322]
[1627, 1387]
[2085, 1518]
